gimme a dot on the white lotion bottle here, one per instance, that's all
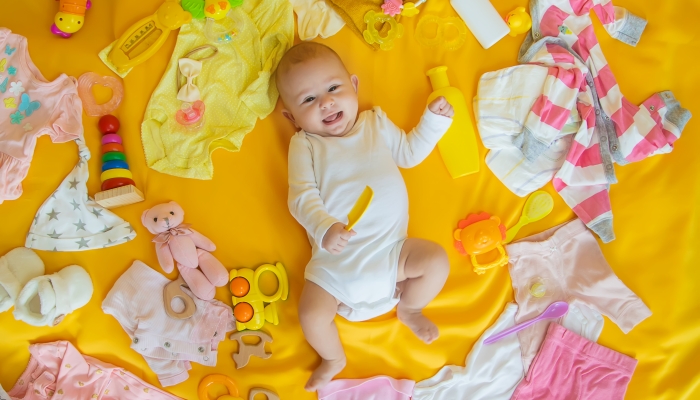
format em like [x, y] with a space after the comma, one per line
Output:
[482, 19]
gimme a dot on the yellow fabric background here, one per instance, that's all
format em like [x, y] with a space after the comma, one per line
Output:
[243, 209]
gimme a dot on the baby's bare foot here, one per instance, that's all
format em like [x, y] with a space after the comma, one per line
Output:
[324, 373]
[421, 326]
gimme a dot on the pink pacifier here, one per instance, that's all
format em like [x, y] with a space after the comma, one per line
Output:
[191, 115]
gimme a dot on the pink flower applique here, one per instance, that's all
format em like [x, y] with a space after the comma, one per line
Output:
[392, 7]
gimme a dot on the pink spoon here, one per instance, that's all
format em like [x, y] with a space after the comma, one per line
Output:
[555, 310]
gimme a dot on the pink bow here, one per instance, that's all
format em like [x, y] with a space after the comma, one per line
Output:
[164, 237]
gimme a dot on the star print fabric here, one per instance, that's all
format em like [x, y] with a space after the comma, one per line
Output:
[58, 371]
[31, 107]
[70, 220]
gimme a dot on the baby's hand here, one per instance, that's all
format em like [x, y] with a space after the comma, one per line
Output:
[336, 238]
[440, 106]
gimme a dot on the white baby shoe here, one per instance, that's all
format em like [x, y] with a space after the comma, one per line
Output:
[17, 267]
[46, 300]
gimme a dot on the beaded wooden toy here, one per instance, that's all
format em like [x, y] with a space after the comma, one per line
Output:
[118, 187]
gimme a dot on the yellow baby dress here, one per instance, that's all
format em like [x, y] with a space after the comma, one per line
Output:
[237, 87]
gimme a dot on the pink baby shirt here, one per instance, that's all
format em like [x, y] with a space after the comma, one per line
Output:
[31, 106]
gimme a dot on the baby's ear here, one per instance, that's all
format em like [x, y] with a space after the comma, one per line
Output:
[290, 117]
[355, 82]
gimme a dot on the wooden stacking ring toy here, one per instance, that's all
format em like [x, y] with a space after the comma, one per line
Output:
[111, 138]
[116, 164]
[112, 147]
[116, 173]
[203, 389]
[116, 182]
[113, 156]
[118, 187]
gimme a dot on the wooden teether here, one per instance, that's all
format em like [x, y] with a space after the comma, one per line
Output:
[85, 84]
[245, 350]
[174, 290]
[270, 394]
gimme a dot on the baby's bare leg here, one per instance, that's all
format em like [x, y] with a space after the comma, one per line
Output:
[423, 270]
[317, 308]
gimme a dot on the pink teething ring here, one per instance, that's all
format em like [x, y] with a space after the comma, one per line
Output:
[85, 84]
[111, 138]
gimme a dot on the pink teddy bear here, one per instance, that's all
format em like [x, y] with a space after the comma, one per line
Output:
[177, 242]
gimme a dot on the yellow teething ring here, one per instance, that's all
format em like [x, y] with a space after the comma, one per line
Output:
[281, 275]
[202, 390]
[460, 38]
[371, 34]
[116, 173]
[420, 31]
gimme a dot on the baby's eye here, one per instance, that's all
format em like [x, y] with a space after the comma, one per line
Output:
[309, 99]
[332, 88]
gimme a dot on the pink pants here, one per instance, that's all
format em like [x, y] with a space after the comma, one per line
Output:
[569, 367]
[58, 371]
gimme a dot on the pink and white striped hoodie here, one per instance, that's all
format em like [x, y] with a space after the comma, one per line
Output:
[579, 123]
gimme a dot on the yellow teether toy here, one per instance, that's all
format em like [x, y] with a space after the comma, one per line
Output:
[371, 34]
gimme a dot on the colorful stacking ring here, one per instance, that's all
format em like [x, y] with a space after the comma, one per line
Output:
[116, 173]
[114, 165]
[112, 156]
[112, 147]
[111, 138]
[116, 182]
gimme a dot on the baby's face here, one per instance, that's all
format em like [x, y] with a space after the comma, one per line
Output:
[320, 96]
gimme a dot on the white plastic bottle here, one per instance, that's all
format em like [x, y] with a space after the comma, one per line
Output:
[482, 19]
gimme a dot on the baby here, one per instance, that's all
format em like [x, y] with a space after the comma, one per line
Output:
[365, 272]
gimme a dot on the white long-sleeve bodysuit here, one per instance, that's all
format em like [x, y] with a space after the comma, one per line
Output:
[328, 174]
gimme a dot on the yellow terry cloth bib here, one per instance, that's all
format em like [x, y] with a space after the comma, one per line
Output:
[237, 88]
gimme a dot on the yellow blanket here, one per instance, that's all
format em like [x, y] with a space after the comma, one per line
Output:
[243, 209]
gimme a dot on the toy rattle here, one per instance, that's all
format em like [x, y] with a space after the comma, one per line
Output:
[371, 34]
[143, 39]
[70, 17]
[118, 187]
[85, 84]
[481, 234]
[518, 21]
[451, 32]
[248, 300]
[197, 7]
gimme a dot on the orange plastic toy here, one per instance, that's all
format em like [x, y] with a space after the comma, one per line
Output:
[481, 235]
[249, 301]
[209, 380]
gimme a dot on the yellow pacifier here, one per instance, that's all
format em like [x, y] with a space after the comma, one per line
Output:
[220, 379]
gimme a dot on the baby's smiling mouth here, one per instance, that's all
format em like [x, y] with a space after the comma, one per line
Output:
[331, 119]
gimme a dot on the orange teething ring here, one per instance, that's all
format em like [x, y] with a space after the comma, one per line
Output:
[203, 388]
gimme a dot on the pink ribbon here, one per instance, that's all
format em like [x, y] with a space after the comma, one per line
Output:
[164, 237]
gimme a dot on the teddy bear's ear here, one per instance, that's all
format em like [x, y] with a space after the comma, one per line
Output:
[177, 206]
[143, 217]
